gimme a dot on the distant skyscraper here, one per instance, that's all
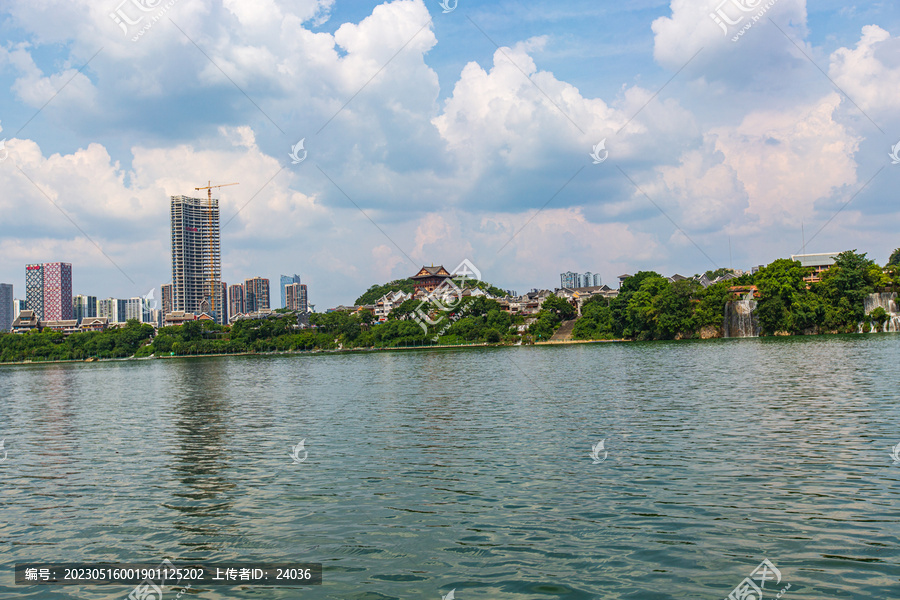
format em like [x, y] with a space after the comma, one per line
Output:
[133, 309]
[196, 254]
[57, 291]
[296, 297]
[85, 307]
[285, 281]
[577, 280]
[591, 280]
[48, 290]
[7, 309]
[121, 304]
[34, 289]
[165, 291]
[569, 280]
[235, 299]
[108, 308]
[224, 292]
[256, 294]
[19, 306]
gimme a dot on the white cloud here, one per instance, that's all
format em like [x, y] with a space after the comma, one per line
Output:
[708, 192]
[788, 160]
[691, 29]
[503, 114]
[870, 73]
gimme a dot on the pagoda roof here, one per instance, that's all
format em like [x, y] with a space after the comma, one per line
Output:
[432, 271]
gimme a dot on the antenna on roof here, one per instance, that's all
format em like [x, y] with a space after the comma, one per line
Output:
[802, 233]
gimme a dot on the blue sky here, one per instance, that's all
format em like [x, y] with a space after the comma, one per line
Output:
[436, 137]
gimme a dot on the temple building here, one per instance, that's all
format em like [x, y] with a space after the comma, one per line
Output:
[429, 278]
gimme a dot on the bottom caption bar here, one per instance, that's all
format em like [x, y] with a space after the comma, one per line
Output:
[168, 573]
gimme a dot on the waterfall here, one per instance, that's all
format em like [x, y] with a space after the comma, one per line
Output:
[887, 301]
[739, 319]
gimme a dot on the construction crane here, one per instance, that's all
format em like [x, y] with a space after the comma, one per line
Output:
[212, 279]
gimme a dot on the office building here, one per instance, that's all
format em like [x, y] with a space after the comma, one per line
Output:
[287, 280]
[235, 299]
[196, 256]
[84, 307]
[7, 308]
[296, 297]
[256, 294]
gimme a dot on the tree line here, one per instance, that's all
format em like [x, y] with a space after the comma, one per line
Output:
[648, 307]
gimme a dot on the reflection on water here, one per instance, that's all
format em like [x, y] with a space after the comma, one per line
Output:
[200, 459]
[470, 469]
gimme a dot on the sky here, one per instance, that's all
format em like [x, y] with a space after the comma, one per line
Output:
[530, 138]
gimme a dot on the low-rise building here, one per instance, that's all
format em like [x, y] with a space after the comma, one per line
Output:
[819, 263]
[526, 304]
[255, 315]
[64, 326]
[388, 302]
[94, 324]
[342, 308]
[26, 321]
[178, 317]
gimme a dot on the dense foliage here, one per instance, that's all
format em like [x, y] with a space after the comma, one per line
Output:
[53, 345]
[649, 307]
[377, 291]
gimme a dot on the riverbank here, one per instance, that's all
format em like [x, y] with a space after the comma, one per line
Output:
[273, 353]
[399, 348]
[301, 352]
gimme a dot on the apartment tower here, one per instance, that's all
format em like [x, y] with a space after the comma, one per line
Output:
[196, 255]
[256, 294]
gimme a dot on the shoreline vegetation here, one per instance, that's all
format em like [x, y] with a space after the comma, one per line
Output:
[304, 352]
[648, 307]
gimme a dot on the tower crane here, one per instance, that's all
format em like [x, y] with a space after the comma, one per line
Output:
[212, 279]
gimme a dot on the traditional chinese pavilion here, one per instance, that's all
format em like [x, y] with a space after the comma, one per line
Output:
[428, 278]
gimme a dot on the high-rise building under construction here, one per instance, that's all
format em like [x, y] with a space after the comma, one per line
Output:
[196, 257]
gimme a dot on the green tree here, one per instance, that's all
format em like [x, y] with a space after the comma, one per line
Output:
[780, 284]
[596, 320]
[675, 308]
[845, 286]
[710, 310]
[894, 260]
[491, 336]
[642, 309]
[377, 291]
[560, 306]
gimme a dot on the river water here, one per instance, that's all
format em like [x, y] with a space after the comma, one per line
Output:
[469, 469]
